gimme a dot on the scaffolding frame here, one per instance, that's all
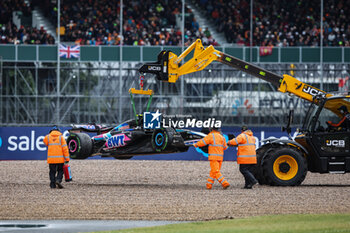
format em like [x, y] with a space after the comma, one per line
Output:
[98, 92]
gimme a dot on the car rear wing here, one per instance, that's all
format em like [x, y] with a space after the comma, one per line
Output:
[90, 128]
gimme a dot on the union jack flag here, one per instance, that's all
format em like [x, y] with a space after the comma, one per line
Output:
[69, 51]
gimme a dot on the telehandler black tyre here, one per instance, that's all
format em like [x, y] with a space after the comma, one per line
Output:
[284, 166]
[79, 145]
[258, 170]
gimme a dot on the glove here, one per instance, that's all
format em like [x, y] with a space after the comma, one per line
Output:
[66, 162]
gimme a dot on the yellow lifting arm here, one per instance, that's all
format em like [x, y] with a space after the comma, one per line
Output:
[168, 68]
[140, 92]
[201, 59]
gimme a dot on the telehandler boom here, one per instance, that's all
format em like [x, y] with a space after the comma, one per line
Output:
[168, 68]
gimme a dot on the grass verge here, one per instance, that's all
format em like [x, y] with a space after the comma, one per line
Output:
[310, 223]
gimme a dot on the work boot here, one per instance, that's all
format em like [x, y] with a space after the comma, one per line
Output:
[52, 185]
[225, 185]
[254, 183]
[59, 185]
[209, 186]
[248, 186]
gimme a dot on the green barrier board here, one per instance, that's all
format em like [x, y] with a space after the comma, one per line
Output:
[346, 54]
[332, 54]
[290, 55]
[131, 53]
[8, 52]
[150, 53]
[236, 52]
[26, 53]
[88, 53]
[310, 55]
[255, 54]
[110, 53]
[48, 53]
[270, 58]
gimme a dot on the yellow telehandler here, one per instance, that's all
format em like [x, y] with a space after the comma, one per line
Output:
[323, 142]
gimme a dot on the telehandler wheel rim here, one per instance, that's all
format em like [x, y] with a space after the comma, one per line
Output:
[285, 167]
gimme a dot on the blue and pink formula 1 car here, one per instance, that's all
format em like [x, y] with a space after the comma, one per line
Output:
[127, 140]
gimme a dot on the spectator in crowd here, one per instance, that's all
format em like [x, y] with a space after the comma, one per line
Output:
[10, 34]
[150, 23]
[281, 22]
[96, 22]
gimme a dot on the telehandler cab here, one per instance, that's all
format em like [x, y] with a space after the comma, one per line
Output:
[319, 147]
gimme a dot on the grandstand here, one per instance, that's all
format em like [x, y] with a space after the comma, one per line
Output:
[280, 22]
[40, 88]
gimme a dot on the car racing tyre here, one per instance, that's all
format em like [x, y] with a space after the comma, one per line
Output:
[161, 138]
[79, 145]
[284, 166]
[258, 170]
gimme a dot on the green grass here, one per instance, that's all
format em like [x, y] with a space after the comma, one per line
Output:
[275, 223]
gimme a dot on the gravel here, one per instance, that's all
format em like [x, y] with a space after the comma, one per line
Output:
[157, 190]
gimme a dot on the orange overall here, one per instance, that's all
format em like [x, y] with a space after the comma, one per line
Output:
[57, 151]
[246, 153]
[246, 156]
[57, 155]
[216, 145]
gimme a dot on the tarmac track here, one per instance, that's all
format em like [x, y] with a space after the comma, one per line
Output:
[71, 226]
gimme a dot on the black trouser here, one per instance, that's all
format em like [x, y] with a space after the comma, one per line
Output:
[246, 170]
[56, 167]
